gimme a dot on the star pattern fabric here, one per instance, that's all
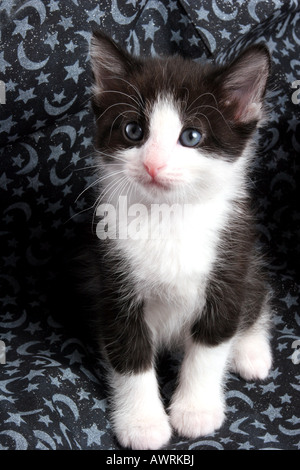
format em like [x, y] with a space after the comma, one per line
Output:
[53, 392]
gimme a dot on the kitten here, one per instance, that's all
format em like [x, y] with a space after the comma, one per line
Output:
[174, 134]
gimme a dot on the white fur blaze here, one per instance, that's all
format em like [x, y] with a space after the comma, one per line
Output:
[139, 419]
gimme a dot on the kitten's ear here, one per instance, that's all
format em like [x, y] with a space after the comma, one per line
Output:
[244, 84]
[108, 60]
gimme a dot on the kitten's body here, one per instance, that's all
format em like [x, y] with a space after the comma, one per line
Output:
[197, 279]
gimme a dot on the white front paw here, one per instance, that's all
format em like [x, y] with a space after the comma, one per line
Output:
[149, 432]
[253, 359]
[197, 421]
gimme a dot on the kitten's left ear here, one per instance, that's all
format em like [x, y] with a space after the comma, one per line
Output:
[244, 84]
[108, 60]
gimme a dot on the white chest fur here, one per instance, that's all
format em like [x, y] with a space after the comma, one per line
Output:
[170, 268]
[180, 247]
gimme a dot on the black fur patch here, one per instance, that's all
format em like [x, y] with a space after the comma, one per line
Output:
[115, 312]
[237, 287]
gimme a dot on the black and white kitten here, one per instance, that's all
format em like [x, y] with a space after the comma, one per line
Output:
[174, 134]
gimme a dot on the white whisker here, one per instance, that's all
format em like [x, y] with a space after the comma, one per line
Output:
[114, 156]
[138, 103]
[215, 109]
[207, 119]
[102, 195]
[201, 96]
[116, 104]
[141, 100]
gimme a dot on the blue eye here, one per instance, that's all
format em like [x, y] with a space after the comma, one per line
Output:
[133, 131]
[190, 138]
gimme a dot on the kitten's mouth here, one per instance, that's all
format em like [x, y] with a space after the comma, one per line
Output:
[154, 183]
[157, 184]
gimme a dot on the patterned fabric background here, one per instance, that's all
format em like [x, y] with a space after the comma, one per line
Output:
[52, 388]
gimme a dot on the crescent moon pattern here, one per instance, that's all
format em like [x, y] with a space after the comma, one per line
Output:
[242, 396]
[33, 260]
[32, 162]
[45, 438]
[158, 6]
[67, 401]
[235, 427]
[252, 4]
[23, 206]
[118, 17]
[22, 350]
[57, 110]
[38, 6]
[55, 180]
[26, 63]
[19, 440]
[203, 444]
[68, 130]
[221, 13]
[15, 323]
[53, 394]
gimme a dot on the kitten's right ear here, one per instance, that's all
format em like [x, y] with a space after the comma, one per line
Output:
[108, 60]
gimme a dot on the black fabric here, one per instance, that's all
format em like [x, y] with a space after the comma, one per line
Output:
[53, 393]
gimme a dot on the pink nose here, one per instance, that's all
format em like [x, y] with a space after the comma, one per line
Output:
[152, 169]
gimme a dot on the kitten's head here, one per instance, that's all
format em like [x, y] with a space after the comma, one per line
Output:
[169, 129]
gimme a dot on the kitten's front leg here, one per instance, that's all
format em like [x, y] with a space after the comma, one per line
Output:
[138, 416]
[198, 405]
